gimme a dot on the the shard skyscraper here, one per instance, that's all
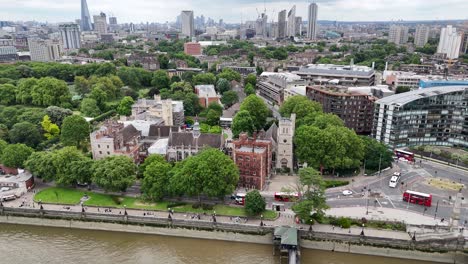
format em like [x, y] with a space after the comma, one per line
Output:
[85, 17]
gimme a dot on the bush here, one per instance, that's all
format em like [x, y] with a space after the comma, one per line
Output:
[175, 204]
[207, 207]
[104, 116]
[335, 183]
[344, 222]
[117, 200]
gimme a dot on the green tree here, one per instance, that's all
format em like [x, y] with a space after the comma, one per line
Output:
[114, 173]
[375, 153]
[7, 94]
[81, 171]
[313, 200]
[15, 155]
[3, 132]
[230, 75]
[24, 88]
[62, 160]
[325, 120]
[215, 107]
[51, 130]
[204, 78]
[125, 106]
[100, 96]
[75, 130]
[301, 106]
[41, 165]
[402, 89]
[229, 98]
[25, 133]
[3, 145]
[212, 117]
[249, 89]
[160, 80]
[222, 86]
[192, 105]
[332, 147]
[258, 110]
[254, 203]
[252, 79]
[150, 159]
[89, 107]
[155, 184]
[50, 91]
[58, 114]
[242, 122]
[209, 173]
[82, 85]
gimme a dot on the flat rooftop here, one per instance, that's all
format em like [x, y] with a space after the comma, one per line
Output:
[331, 69]
[404, 98]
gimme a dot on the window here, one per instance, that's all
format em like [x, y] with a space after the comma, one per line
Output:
[100, 152]
[99, 146]
[107, 146]
[108, 153]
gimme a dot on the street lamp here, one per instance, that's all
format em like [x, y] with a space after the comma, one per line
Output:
[261, 220]
[362, 231]
[437, 207]
[125, 210]
[367, 206]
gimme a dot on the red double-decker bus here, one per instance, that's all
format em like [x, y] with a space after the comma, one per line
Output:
[409, 156]
[417, 198]
[286, 197]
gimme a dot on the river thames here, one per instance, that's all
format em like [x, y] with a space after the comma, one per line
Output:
[31, 244]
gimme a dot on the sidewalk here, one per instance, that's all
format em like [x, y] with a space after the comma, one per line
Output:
[386, 214]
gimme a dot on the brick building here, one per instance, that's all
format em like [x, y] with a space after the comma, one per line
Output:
[354, 108]
[192, 48]
[115, 139]
[253, 157]
[207, 95]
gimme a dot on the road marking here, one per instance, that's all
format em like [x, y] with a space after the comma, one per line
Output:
[378, 202]
[391, 202]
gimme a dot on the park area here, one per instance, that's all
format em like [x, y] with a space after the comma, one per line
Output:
[66, 196]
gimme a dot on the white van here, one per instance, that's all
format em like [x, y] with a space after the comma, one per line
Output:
[394, 180]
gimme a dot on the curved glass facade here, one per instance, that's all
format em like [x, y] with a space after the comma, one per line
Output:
[433, 116]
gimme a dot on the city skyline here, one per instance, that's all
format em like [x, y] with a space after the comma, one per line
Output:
[54, 11]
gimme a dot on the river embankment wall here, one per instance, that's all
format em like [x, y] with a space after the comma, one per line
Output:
[447, 250]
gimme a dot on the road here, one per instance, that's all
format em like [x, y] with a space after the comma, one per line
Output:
[412, 178]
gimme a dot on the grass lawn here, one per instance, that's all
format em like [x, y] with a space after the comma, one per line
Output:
[59, 195]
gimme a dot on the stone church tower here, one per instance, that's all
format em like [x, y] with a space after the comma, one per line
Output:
[284, 157]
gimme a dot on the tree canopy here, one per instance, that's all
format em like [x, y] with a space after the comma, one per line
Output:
[258, 110]
[75, 129]
[209, 173]
[114, 173]
[254, 203]
[15, 155]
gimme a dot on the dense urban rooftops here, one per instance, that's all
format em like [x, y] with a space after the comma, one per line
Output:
[404, 98]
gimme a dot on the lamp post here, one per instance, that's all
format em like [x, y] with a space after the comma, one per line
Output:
[362, 231]
[437, 207]
[367, 206]
[125, 210]
[261, 220]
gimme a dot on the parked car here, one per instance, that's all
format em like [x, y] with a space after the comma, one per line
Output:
[347, 192]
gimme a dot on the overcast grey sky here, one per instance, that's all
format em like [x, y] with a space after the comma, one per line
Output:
[233, 10]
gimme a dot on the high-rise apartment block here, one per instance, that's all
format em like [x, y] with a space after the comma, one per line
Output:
[100, 23]
[421, 36]
[70, 34]
[312, 22]
[298, 30]
[112, 21]
[186, 18]
[398, 34]
[85, 17]
[44, 50]
[291, 26]
[450, 42]
[282, 24]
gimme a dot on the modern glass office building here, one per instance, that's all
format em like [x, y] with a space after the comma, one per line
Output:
[431, 116]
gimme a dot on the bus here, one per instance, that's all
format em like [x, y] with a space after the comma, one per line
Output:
[409, 156]
[417, 198]
[286, 197]
[240, 198]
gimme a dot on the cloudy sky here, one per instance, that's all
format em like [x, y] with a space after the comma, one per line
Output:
[233, 10]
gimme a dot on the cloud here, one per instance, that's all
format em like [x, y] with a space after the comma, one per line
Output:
[234, 10]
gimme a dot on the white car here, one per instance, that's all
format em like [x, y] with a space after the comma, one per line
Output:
[347, 192]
